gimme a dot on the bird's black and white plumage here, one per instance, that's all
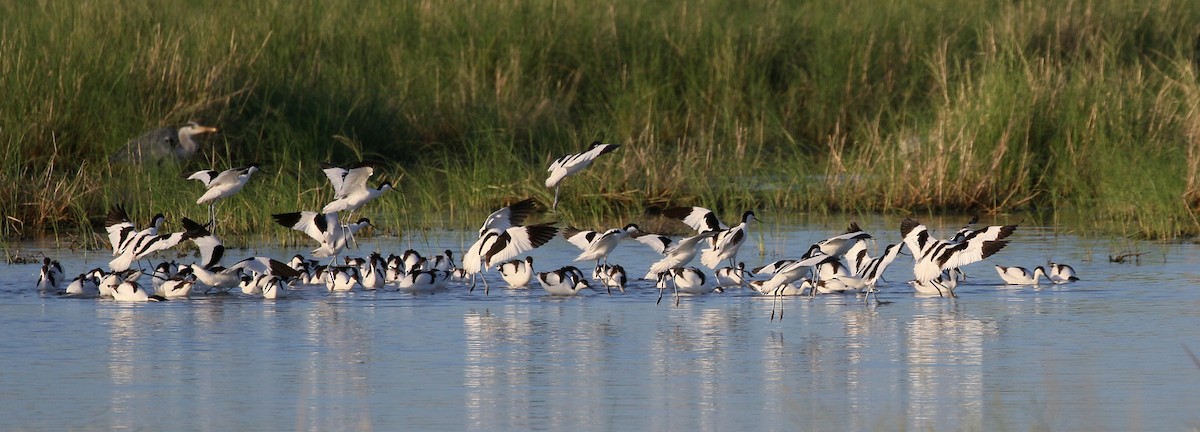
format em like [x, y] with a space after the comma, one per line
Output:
[176, 286]
[211, 248]
[732, 276]
[50, 277]
[123, 234]
[498, 246]
[222, 184]
[421, 281]
[840, 244]
[728, 240]
[162, 144]
[679, 255]
[342, 278]
[966, 229]
[570, 164]
[698, 218]
[615, 277]
[350, 190]
[597, 245]
[1061, 273]
[148, 245]
[443, 262]
[517, 272]
[932, 257]
[347, 180]
[86, 284]
[772, 267]
[726, 243]
[873, 269]
[1020, 276]
[657, 242]
[322, 227]
[130, 290]
[502, 238]
[566, 281]
[225, 278]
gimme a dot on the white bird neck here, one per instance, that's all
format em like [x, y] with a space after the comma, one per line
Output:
[187, 146]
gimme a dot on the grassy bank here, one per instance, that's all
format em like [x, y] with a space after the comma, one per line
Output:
[1038, 108]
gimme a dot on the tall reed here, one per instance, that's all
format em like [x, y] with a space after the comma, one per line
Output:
[1039, 108]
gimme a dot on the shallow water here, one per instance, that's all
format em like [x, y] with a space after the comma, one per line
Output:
[1106, 353]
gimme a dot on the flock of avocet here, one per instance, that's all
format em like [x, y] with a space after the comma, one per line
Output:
[839, 264]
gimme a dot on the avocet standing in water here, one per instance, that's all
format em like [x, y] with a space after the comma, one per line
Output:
[596, 245]
[566, 281]
[570, 164]
[1020, 276]
[324, 228]
[517, 272]
[1061, 273]
[933, 257]
[502, 238]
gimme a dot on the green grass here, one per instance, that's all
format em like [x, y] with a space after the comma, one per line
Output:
[1043, 109]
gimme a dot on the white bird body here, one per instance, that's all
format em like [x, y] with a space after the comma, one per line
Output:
[857, 257]
[227, 278]
[793, 288]
[162, 272]
[122, 234]
[50, 276]
[502, 238]
[727, 242]
[410, 260]
[272, 287]
[517, 272]
[250, 284]
[372, 272]
[357, 198]
[443, 262]
[690, 280]
[323, 228]
[570, 164]
[1020, 276]
[1061, 273]
[791, 272]
[150, 244]
[108, 283]
[129, 290]
[873, 269]
[85, 285]
[698, 218]
[346, 181]
[680, 255]
[615, 277]
[932, 256]
[942, 286]
[732, 276]
[595, 245]
[500, 246]
[566, 281]
[223, 184]
[838, 284]
[841, 244]
[175, 287]
[773, 267]
[659, 243]
[395, 268]
[421, 281]
[342, 278]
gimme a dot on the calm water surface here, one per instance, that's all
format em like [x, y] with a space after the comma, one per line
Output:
[1106, 353]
